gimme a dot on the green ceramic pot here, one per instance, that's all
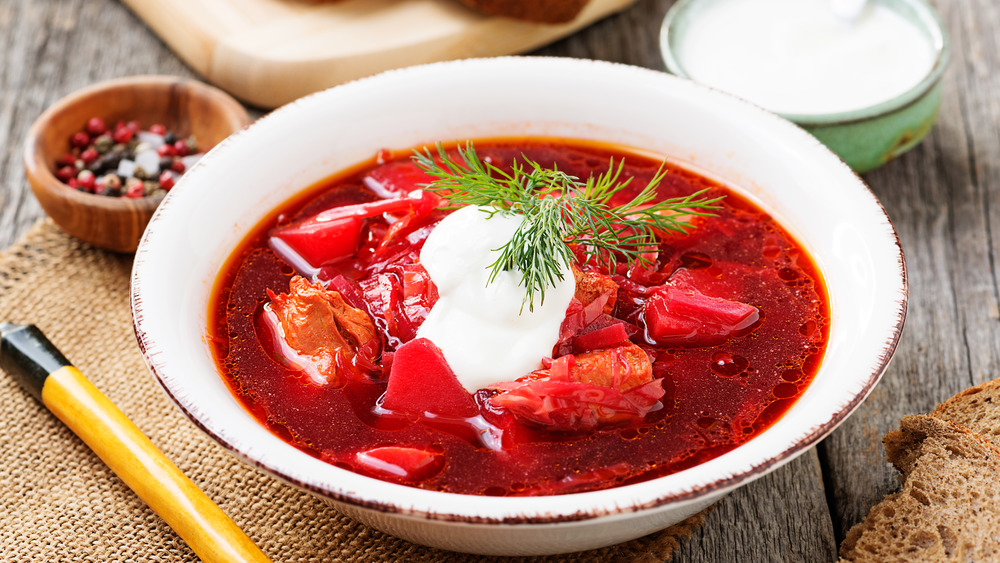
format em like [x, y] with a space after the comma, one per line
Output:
[865, 138]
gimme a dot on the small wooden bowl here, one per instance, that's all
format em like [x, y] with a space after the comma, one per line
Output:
[187, 107]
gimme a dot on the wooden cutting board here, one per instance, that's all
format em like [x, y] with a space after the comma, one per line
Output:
[269, 52]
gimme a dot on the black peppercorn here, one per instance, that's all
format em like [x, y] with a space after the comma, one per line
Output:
[109, 162]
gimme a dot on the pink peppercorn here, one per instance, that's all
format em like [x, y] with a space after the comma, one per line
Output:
[135, 190]
[66, 172]
[182, 148]
[133, 126]
[66, 160]
[166, 150]
[95, 126]
[166, 180]
[80, 139]
[158, 129]
[86, 180]
[123, 135]
[88, 156]
[178, 166]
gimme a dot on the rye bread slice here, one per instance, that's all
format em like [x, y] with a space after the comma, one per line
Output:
[541, 11]
[978, 408]
[949, 508]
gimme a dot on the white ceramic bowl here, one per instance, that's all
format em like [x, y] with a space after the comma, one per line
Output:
[784, 169]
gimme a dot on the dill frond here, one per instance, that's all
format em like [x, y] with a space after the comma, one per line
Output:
[561, 211]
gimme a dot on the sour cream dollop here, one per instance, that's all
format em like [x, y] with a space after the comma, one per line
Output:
[480, 327]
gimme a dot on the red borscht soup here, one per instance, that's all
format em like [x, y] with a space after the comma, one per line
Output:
[654, 367]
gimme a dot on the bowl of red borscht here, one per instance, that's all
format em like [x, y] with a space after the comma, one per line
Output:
[336, 310]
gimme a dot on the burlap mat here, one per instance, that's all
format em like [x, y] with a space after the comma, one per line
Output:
[60, 503]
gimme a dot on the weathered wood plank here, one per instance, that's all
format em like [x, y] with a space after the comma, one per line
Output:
[782, 517]
[977, 46]
[940, 197]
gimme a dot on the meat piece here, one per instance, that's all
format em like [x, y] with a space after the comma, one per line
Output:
[591, 285]
[619, 368]
[321, 328]
[353, 324]
[579, 393]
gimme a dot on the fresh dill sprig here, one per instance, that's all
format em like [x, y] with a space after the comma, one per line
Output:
[559, 211]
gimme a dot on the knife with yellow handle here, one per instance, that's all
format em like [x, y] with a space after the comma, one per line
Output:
[42, 370]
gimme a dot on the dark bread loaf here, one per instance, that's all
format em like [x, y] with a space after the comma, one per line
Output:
[542, 11]
[949, 508]
[978, 408]
[539, 11]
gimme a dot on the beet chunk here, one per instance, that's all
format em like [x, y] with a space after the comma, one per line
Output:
[421, 382]
[406, 463]
[683, 315]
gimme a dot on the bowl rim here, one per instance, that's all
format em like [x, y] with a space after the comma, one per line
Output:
[927, 18]
[530, 510]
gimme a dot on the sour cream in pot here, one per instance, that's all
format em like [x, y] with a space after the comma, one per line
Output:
[798, 57]
[480, 327]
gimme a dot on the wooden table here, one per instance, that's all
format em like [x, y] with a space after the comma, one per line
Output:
[943, 197]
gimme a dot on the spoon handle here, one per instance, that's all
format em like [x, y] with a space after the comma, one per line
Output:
[44, 371]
